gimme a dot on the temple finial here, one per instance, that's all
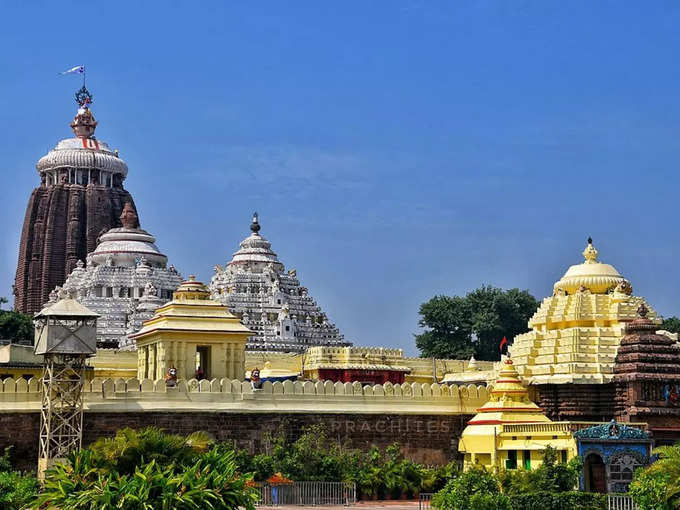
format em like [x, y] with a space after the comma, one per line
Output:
[84, 123]
[590, 253]
[255, 225]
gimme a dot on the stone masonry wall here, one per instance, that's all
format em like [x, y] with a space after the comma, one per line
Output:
[425, 438]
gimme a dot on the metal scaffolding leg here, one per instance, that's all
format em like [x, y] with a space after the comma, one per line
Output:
[61, 420]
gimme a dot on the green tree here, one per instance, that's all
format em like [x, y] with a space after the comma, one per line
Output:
[16, 327]
[458, 327]
[658, 486]
[476, 489]
[671, 324]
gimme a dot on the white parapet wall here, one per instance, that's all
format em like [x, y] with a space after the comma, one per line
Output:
[220, 395]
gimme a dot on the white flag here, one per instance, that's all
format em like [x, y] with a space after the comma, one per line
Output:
[75, 70]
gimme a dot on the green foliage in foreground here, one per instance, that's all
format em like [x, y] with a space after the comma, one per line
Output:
[147, 470]
[212, 482]
[476, 489]
[549, 487]
[559, 501]
[658, 486]
[315, 457]
[16, 490]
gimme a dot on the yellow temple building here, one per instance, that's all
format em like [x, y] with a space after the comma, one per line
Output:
[575, 333]
[510, 430]
[193, 334]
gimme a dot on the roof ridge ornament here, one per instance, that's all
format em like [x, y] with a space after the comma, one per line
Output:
[590, 253]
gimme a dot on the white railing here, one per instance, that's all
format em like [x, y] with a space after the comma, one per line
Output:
[308, 494]
[620, 502]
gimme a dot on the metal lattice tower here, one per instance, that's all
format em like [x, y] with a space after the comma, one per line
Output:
[66, 336]
[61, 419]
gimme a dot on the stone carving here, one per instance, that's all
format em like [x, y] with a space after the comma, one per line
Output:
[128, 296]
[280, 311]
[612, 431]
[624, 287]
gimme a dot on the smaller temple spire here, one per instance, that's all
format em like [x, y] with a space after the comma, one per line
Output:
[129, 217]
[590, 253]
[255, 225]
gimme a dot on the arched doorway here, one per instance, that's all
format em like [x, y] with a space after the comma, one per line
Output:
[594, 474]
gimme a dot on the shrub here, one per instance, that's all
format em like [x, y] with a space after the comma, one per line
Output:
[558, 501]
[476, 489]
[118, 474]
[130, 448]
[434, 479]
[658, 486]
[16, 490]
[5, 463]
[648, 489]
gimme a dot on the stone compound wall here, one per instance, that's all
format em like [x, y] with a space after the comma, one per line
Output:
[426, 420]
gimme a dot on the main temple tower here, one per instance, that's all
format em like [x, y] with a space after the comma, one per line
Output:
[80, 196]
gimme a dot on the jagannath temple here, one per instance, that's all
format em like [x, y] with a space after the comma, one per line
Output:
[80, 196]
[592, 377]
[125, 280]
[270, 301]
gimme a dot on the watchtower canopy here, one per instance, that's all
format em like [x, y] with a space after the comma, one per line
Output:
[66, 327]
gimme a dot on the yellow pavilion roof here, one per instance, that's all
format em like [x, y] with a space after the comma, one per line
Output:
[191, 309]
[509, 401]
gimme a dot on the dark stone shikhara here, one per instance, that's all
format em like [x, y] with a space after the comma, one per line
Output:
[81, 196]
[647, 378]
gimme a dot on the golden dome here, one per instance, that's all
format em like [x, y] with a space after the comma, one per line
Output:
[593, 275]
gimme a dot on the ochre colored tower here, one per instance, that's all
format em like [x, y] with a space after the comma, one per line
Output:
[80, 196]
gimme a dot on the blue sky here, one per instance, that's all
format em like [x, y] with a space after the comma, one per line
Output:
[394, 150]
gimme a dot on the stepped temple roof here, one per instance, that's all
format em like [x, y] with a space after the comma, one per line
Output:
[270, 301]
[125, 280]
[644, 355]
[80, 196]
[575, 333]
[509, 401]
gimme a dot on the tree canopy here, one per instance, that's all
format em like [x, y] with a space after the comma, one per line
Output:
[458, 327]
[16, 327]
[671, 324]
